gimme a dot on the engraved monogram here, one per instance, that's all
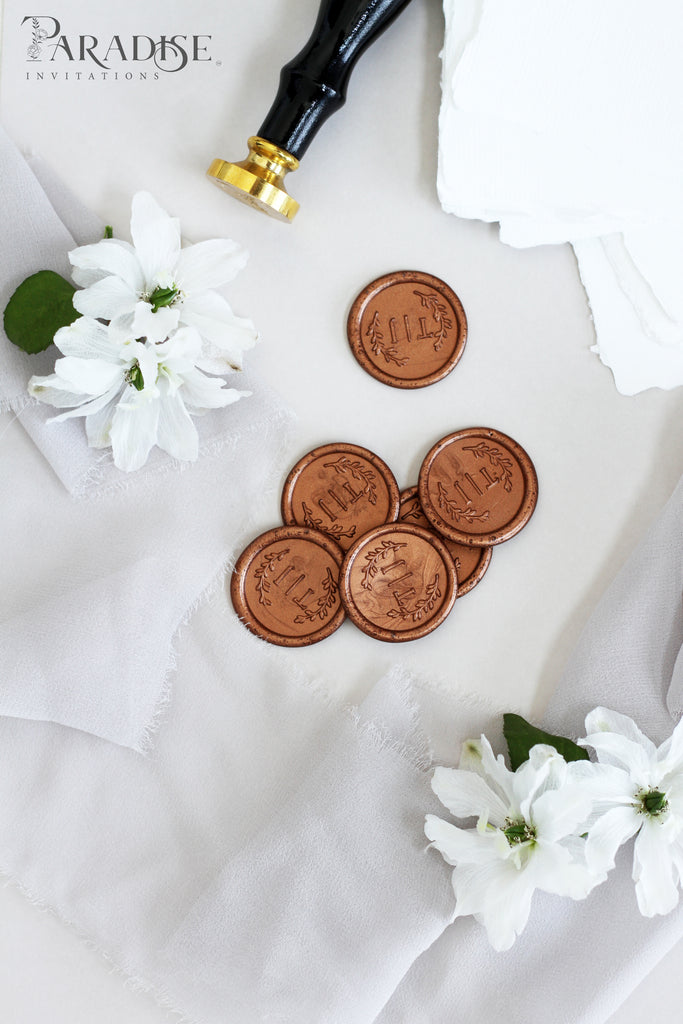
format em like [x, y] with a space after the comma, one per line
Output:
[422, 607]
[497, 460]
[288, 584]
[439, 311]
[376, 338]
[454, 510]
[344, 466]
[333, 529]
[441, 322]
[261, 574]
[376, 557]
[326, 601]
[400, 585]
[463, 507]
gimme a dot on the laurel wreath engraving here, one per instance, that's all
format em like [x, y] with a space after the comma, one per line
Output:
[325, 603]
[422, 607]
[440, 316]
[373, 558]
[469, 514]
[333, 529]
[497, 460]
[376, 338]
[262, 571]
[344, 465]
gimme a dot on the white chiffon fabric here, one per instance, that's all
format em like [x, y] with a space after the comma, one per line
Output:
[90, 642]
[269, 861]
[577, 962]
[557, 121]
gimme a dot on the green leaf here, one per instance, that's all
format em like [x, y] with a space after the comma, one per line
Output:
[39, 307]
[109, 231]
[521, 737]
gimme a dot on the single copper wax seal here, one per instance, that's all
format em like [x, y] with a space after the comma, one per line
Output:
[407, 329]
[478, 486]
[470, 562]
[398, 582]
[342, 490]
[285, 586]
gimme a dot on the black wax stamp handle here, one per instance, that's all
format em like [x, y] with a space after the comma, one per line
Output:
[313, 84]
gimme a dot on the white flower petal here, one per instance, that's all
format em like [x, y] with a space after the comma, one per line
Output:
[610, 831]
[156, 237]
[176, 433]
[615, 749]
[54, 391]
[544, 769]
[89, 376]
[474, 883]
[605, 783]
[93, 407]
[134, 429]
[106, 299]
[496, 772]
[227, 335]
[110, 256]
[507, 910]
[558, 870]
[471, 756]
[653, 871]
[459, 845]
[183, 344]
[209, 264]
[559, 813]
[98, 423]
[670, 753]
[154, 326]
[201, 392]
[604, 720]
[148, 364]
[87, 339]
[467, 794]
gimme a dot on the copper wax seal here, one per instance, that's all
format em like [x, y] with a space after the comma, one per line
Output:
[342, 490]
[285, 586]
[407, 329]
[478, 486]
[471, 562]
[398, 582]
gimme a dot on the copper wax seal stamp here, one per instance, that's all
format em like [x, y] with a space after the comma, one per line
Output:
[285, 586]
[398, 582]
[471, 562]
[342, 490]
[478, 486]
[407, 329]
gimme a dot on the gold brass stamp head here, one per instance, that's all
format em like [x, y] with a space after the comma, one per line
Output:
[259, 180]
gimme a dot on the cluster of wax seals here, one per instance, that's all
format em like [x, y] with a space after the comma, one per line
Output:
[394, 562]
[407, 329]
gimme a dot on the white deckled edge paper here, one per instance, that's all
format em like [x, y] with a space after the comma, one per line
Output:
[556, 120]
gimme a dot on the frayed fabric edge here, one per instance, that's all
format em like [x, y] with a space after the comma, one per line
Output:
[91, 488]
[131, 980]
[280, 427]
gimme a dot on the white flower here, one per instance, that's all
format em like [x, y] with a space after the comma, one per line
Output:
[640, 792]
[527, 836]
[133, 394]
[150, 288]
